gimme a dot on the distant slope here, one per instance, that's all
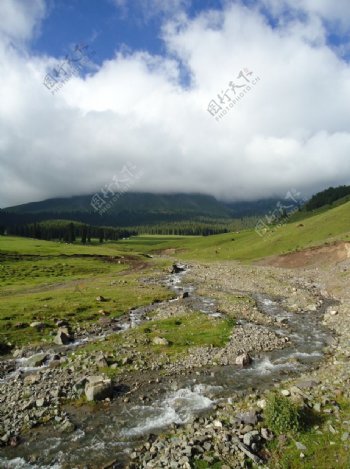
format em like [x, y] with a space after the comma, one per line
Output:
[330, 225]
[135, 209]
[132, 202]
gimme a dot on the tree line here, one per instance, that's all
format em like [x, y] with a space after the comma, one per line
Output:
[327, 197]
[67, 231]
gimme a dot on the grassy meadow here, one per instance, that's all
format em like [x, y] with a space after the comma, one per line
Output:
[45, 281]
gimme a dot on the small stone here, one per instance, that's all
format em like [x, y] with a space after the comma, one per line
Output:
[160, 341]
[300, 446]
[38, 325]
[100, 298]
[332, 430]
[248, 418]
[261, 403]
[217, 424]
[317, 407]
[285, 392]
[266, 434]
[345, 436]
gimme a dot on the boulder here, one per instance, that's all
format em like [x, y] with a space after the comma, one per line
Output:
[244, 360]
[177, 268]
[62, 337]
[37, 359]
[101, 361]
[251, 437]
[98, 388]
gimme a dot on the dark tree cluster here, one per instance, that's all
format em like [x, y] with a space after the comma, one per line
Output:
[69, 232]
[327, 197]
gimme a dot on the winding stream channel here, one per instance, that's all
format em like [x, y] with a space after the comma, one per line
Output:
[109, 434]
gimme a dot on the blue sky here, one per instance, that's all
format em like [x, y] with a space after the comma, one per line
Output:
[108, 28]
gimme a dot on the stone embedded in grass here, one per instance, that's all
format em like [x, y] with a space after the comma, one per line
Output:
[160, 341]
[38, 325]
[101, 298]
[103, 312]
[101, 361]
[98, 388]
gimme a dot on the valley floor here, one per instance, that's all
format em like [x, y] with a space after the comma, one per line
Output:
[293, 323]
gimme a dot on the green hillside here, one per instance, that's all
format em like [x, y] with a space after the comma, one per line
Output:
[197, 204]
[135, 209]
[248, 245]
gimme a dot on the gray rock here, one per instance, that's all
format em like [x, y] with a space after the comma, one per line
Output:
[300, 446]
[38, 325]
[37, 360]
[98, 388]
[177, 268]
[160, 341]
[101, 299]
[248, 418]
[62, 337]
[251, 437]
[244, 360]
[101, 361]
[266, 434]
[66, 427]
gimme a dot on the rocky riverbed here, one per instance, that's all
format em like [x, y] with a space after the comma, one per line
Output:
[278, 315]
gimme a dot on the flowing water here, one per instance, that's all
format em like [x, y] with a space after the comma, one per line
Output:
[109, 433]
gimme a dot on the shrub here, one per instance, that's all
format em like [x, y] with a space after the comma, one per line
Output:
[281, 415]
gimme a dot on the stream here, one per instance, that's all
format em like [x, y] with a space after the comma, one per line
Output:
[107, 434]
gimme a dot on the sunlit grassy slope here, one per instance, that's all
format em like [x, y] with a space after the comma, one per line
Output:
[248, 245]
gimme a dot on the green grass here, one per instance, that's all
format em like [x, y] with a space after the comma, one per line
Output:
[324, 449]
[56, 283]
[41, 283]
[183, 333]
[17, 245]
[282, 415]
[248, 245]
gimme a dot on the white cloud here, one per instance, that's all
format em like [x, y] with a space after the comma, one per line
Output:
[329, 10]
[290, 130]
[20, 18]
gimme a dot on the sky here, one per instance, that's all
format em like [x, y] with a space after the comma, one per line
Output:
[240, 99]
